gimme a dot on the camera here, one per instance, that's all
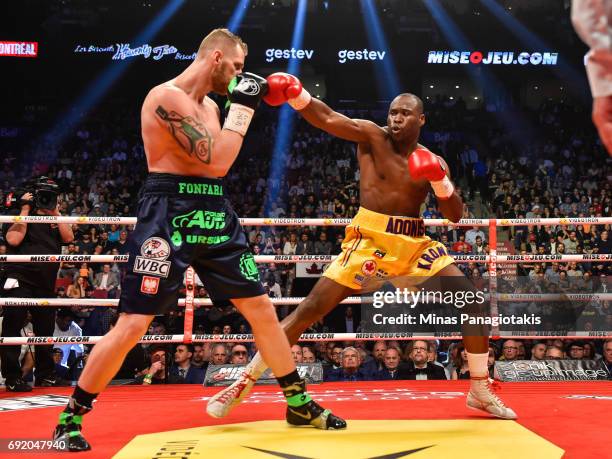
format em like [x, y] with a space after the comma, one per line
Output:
[43, 189]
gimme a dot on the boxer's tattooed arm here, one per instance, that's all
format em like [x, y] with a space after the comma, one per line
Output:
[191, 134]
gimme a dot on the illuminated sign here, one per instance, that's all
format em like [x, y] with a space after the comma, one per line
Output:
[272, 54]
[492, 57]
[123, 51]
[345, 55]
[19, 48]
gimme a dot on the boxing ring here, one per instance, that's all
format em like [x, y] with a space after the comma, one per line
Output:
[428, 417]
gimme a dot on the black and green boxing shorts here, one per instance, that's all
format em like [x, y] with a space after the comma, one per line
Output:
[185, 221]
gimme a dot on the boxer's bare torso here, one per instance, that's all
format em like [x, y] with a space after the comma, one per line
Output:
[385, 183]
[179, 140]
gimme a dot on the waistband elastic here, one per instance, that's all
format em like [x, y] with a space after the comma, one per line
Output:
[394, 224]
[183, 185]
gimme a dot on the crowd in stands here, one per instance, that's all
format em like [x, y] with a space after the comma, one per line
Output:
[499, 174]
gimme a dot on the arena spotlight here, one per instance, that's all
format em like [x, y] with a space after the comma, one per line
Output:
[100, 86]
[387, 78]
[238, 15]
[493, 90]
[564, 71]
[286, 115]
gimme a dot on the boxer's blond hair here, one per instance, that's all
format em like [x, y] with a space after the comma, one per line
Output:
[219, 39]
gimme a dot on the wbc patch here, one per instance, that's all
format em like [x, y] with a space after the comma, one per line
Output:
[154, 253]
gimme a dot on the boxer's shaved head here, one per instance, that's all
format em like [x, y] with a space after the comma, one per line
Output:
[220, 39]
[418, 103]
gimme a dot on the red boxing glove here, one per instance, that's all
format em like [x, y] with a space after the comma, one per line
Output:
[284, 87]
[423, 164]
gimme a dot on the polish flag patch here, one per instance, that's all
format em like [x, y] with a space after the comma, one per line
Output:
[149, 285]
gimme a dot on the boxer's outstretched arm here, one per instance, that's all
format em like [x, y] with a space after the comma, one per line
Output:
[174, 114]
[320, 115]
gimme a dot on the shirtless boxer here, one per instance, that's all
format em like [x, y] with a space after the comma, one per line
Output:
[396, 175]
[184, 219]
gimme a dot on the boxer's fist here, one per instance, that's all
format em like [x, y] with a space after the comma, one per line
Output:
[284, 87]
[244, 94]
[247, 89]
[423, 164]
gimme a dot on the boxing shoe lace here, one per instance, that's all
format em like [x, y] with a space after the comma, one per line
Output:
[221, 404]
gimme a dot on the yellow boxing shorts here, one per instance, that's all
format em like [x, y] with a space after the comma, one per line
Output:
[379, 247]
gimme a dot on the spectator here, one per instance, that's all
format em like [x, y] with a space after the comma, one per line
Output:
[307, 355]
[305, 246]
[77, 288]
[297, 353]
[510, 350]
[576, 350]
[199, 357]
[218, 355]
[350, 370]
[461, 370]
[390, 366]
[419, 366]
[156, 372]
[182, 372]
[239, 355]
[538, 351]
[65, 326]
[107, 281]
[323, 246]
[472, 234]
[377, 362]
[554, 353]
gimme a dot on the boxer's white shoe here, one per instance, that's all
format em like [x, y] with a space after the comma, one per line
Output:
[481, 397]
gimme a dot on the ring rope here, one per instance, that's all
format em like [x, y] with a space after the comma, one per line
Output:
[314, 221]
[291, 259]
[232, 338]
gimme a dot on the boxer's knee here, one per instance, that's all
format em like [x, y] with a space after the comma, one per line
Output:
[131, 327]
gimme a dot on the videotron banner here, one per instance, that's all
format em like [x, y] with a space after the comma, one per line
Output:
[224, 375]
[552, 370]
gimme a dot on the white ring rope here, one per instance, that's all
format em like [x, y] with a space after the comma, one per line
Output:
[291, 259]
[316, 221]
[208, 338]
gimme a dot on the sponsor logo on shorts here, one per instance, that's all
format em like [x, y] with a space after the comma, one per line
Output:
[381, 274]
[430, 256]
[379, 254]
[359, 279]
[155, 247]
[412, 227]
[200, 188]
[368, 268]
[149, 285]
[203, 219]
[248, 267]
